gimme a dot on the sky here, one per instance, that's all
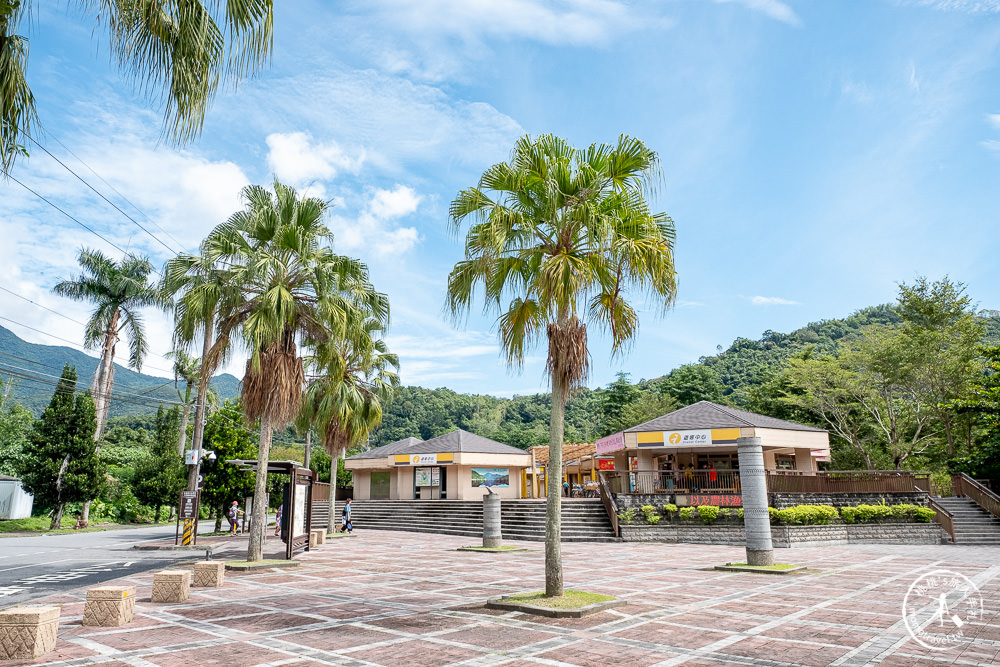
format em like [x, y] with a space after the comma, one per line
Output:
[814, 155]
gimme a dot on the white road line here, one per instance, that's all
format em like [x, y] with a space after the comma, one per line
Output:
[51, 562]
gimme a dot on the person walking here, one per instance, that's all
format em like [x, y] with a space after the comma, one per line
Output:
[277, 520]
[233, 516]
[345, 518]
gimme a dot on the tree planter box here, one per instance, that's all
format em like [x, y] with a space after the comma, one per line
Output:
[789, 536]
[28, 632]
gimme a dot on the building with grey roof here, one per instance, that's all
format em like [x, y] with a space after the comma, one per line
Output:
[456, 465]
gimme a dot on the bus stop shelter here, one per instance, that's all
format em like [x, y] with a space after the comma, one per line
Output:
[296, 516]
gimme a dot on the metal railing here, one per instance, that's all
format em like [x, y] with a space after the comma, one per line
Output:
[966, 486]
[676, 481]
[942, 517]
[842, 481]
[609, 502]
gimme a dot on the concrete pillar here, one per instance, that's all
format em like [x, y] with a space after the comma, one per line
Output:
[756, 521]
[491, 520]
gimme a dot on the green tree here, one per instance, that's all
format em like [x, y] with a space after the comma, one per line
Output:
[199, 283]
[292, 288]
[691, 383]
[559, 237]
[356, 376]
[15, 431]
[175, 52]
[62, 465]
[618, 398]
[119, 290]
[159, 476]
[229, 438]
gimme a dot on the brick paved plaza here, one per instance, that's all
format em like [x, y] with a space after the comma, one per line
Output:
[399, 599]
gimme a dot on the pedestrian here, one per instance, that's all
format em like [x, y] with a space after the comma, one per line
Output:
[233, 516]
[345, 518]
[566, 488]
[277, 521]
[713, 477]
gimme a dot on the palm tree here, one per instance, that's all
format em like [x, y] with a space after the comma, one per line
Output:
[174, 51]
[356, 378]
[119, 290]
[188, 369]
[560, 236]
[200, 284]
[293, 290]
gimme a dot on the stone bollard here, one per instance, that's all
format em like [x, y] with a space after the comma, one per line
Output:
[172, 586]
[320, 534]
[756, 520]
[491, 520]
[109, 606]
[209, 574]
[28, 632]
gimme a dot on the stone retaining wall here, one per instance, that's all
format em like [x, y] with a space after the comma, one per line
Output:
[789, 536]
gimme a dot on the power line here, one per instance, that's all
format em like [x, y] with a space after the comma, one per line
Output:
[89, 229]
[116, 190]
[101, 195]
[55, 312]
[10, 368]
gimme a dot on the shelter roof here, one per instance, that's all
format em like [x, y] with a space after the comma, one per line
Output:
[456, 441]
[706, 415]
[571, 451]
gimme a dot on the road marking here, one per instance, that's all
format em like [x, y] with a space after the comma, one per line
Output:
[21, 567]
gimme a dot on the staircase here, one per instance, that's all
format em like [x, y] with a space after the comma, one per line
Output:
[973, 524]
[583, 519]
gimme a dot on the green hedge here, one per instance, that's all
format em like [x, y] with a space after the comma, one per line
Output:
[799, 515]
[902, 513]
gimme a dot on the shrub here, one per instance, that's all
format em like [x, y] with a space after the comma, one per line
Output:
[708, 514]
[903, 512]
[807, 515]
[739, 513]
[689, 513]
[649, 512]
[628, 516]
[669, 509]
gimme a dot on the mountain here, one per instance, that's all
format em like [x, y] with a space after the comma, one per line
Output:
[34, 370]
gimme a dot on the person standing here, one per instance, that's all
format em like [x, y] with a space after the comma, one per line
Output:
[277, 520]
[345, 518]
[233, 516]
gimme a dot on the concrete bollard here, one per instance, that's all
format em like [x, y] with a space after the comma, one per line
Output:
[172, 586]
[209, 574]
[317, 537]
[28, 632]
[756, 520]
[109, 606]
[491, 520]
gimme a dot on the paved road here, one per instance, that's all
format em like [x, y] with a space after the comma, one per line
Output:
[33, 567]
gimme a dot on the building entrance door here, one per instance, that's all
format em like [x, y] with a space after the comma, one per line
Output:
[380, 486]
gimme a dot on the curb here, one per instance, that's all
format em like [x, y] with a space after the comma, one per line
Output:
[509, 605]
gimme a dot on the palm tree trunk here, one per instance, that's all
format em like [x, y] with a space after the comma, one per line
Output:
[334, 459]
[553, 479]
[182, 440]
[99, 386]
[255, 550]
[305, 458]
[199, 408]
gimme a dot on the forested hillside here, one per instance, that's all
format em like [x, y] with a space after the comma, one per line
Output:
[34, 371]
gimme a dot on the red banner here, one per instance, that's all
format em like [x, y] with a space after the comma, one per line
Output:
[605, 464]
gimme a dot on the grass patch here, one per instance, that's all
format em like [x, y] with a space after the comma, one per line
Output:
[568, 600]
[776, 566]
[40, 524]
[501, 548]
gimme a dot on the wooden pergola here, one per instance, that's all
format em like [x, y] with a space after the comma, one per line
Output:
[574, 454]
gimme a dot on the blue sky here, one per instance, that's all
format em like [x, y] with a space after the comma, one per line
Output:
[814, 154]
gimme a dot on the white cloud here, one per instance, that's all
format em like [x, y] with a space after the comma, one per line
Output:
[559, 22]
[774, 9]
[294, 158]
[993, 119]
[772, 301]
[992, 144]
[374, 228]
[967, 6]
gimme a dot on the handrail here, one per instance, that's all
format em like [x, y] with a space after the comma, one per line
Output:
[966, 486]
[942, 517]
[609, 502]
